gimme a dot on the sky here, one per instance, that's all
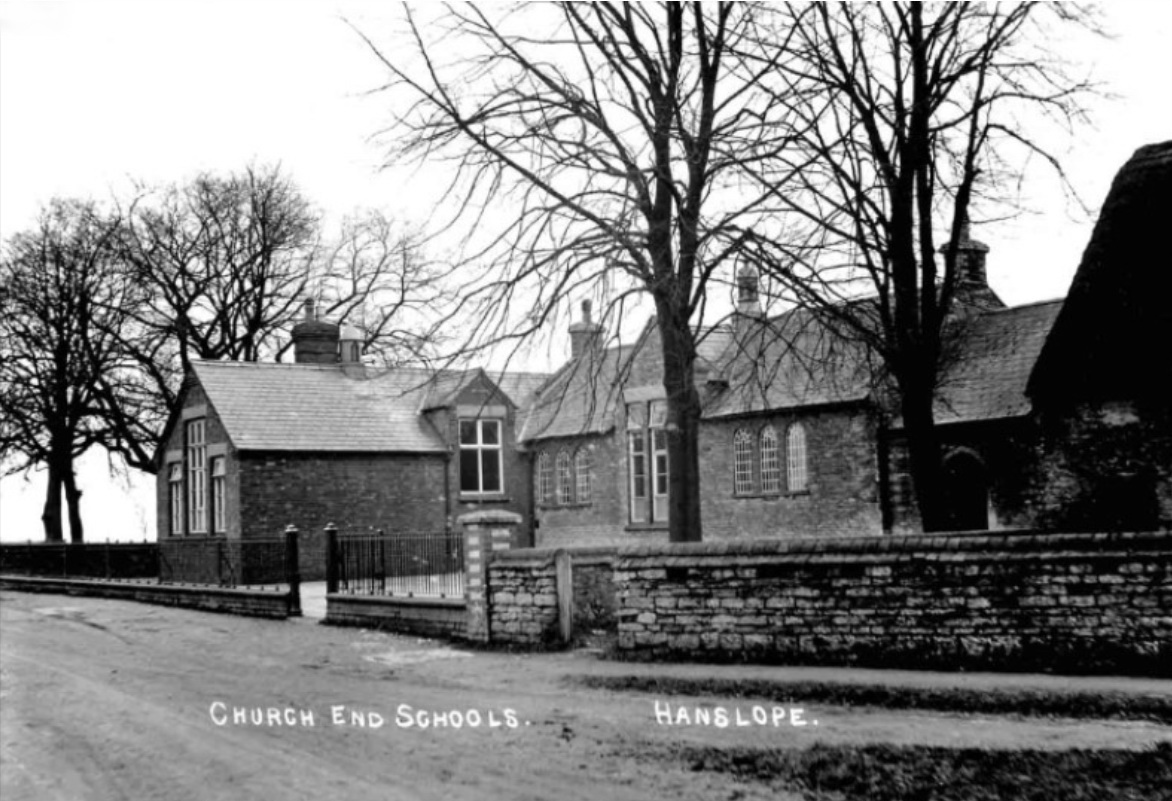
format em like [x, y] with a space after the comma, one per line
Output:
[99, 94]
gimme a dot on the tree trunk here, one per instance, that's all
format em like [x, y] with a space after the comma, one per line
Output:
[683, 428]
[51, 516]
[924, 453]
[73, 501]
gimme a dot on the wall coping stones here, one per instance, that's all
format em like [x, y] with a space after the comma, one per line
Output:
[490, 517]
[925, 546]
[395, 600]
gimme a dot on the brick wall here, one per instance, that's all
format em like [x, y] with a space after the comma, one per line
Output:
[218, 443]
[355, 492]
[424, 617]
[1009, 451]
[515, 466]
[842, 494]
[603, 520]
[1061, 602]
[251, 603]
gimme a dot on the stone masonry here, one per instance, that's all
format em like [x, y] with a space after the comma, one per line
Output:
[1089, 602]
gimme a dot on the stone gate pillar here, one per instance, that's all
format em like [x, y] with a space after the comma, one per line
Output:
[485, 533]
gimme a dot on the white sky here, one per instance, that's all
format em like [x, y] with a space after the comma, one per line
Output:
[94, 94]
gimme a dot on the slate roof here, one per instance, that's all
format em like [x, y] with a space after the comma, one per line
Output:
[786, 362]
[304, 407]
[796, 360]
[998, 351]
[581, 398]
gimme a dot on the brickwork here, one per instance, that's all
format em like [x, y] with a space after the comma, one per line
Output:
[841, 497]
[355, 492]
[515, 466]
[603, 520]
[486, 533]
[1062, 602]
[423, 617]
[249, 603]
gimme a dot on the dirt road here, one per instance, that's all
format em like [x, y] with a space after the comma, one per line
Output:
[109, 700]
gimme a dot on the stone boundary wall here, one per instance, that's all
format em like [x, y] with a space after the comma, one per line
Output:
[252, 603]
[1087, 603]
[522, 598]
[424, 617]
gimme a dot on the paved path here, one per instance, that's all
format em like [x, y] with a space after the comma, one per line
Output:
[107, 699]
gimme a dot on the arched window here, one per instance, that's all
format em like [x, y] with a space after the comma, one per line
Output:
[544, 479]
[742, 462]
[770, 464]
[583, 468]
[565, 485]
[796, 475]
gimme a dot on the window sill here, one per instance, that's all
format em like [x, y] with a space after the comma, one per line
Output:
[646, 527]
[474, 499]
[768, 496]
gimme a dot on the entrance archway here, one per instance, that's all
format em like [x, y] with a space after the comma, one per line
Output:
[966, 492]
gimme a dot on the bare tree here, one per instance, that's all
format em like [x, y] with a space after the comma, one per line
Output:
[908, 118]
[226, 262]
[596, 151]
[375, 275]
[63, 303]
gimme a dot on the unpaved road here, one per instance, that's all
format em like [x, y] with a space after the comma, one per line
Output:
[109, 700]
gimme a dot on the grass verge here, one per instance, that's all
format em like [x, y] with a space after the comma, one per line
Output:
[1104, 705]
[923, 773]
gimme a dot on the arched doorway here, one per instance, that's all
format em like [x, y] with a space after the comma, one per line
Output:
[966, 492]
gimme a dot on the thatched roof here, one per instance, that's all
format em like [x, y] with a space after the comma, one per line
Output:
[1112, 338]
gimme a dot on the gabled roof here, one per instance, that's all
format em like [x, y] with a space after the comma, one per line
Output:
[997, 352]
[581, 398]
[304, 407]
[789, 361]
[309, 407]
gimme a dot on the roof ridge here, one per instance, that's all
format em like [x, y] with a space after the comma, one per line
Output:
[1029, 305]
[238, 364]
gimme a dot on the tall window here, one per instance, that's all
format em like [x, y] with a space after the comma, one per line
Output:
[659, 466]
[175, 491]
[197, 476]
[637, 460]
[544, 479]
[565, 480]
[742, 462]
[770, 464]
[218, 505]
[480, 457]
[647, 461]
[583, 471]
[796, 476]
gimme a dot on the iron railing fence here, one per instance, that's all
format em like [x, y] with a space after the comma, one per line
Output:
[99, 560]
[223, 562]
[407, 564]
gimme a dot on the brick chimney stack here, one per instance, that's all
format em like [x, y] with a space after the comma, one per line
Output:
[585, 335]
[970, 259]
[314, 341]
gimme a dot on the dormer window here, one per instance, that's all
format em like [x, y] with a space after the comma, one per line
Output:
[481, 468]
